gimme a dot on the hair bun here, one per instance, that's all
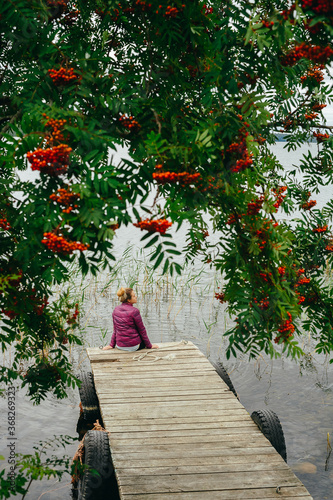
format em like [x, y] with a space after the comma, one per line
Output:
[121, 292]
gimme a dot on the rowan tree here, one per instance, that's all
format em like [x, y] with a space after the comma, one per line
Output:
[196, 92]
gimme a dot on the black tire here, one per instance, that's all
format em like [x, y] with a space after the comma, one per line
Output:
[97, 456]
[89, 399]
[269, 424]
[222, 372]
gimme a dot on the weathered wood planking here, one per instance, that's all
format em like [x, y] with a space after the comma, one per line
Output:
[178, 433]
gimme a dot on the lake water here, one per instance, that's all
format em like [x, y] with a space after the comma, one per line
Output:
[184, 308]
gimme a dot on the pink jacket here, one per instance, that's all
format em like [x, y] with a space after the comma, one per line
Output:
[128, 328]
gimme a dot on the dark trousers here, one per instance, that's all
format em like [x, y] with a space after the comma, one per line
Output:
[142, 346]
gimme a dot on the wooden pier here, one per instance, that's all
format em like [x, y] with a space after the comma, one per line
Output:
[178, 433]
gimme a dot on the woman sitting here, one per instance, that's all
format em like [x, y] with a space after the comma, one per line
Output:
[129, 333]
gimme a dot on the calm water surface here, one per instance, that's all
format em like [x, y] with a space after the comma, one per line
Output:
[300, 393]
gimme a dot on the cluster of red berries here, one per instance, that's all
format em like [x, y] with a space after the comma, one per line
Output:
[172, 12]
[220, 297]
[265, 277]
[286, 329]
[320, 229]
[52, 161]
[64, 76]
[317, 106]
[210, 186]
[255, 206]
[313, 74]
[320, 137]
[154, 226]
[57, 3]
[59, 244]
[242, 164]
[318, 6]
[40, 304]
[311, 116]
[267, 24]
[129, 122]
[143, 5]
[183, 178]
[279, 196]
[281, 270]
[65, 197]
[263, 234]
[302, 281]
[242, 159]
[314, 53]
[10, 313]
[4, 224]
[263, 304]
[72, 319]
[309, 204]
[55, 125]
[233, 219]
[329, 246]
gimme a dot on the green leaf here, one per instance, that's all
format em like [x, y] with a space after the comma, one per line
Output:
[152, 241]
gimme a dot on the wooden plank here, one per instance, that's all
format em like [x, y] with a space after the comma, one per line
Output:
[204, 398]
[156, 391]
[155, 413]
[200, 469]
[134, 365]
[215, 404]
[95, 354]
[204, 482]
[164, 388]
[180, 452]
[286, 493]
[174, 363]
[191, 445]
[190, 382]
[165, 345]
[132, 371]
[130, 357]
[119, 426]
[148, 434]
[164, 375]
[227, 438]
[169, 375]
[191, 461]
[177, 422]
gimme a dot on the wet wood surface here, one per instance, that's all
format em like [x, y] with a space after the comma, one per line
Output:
[178, 433]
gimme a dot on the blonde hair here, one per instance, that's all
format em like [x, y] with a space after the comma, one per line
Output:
[125, 294]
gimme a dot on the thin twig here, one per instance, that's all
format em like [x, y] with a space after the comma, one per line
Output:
[158, 122]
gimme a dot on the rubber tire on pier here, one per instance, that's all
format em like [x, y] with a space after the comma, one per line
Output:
[97, 456]
[222, 372]
[89, 399]
[270, 425]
